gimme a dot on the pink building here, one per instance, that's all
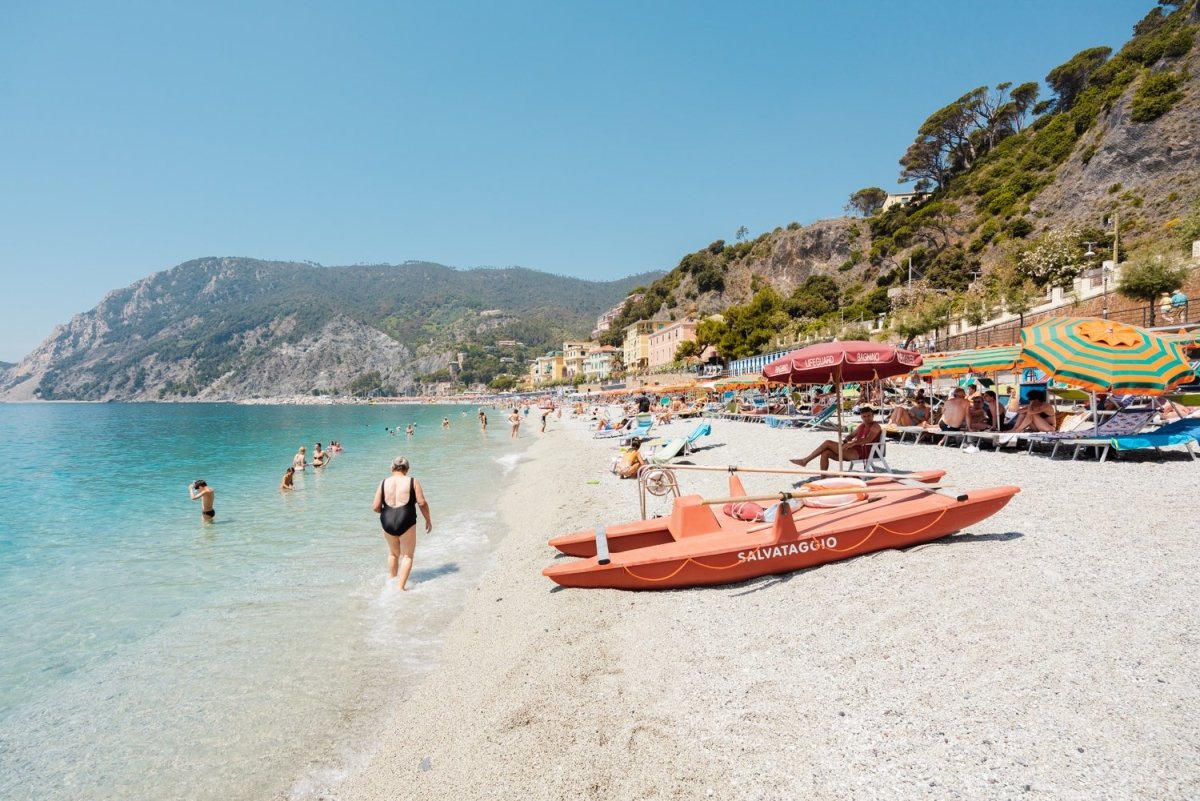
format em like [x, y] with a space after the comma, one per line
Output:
[665, 341]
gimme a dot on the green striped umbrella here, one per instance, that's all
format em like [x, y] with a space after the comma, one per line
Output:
[1105, 356]
[980, 360]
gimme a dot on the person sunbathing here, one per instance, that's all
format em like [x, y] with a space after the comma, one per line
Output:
[1037, 415]
[915, 414]
[852, 447]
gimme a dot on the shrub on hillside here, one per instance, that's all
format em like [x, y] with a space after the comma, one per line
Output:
[1155, 96]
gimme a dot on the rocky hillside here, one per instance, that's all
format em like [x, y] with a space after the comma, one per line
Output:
[1117, 135]
[229, 329]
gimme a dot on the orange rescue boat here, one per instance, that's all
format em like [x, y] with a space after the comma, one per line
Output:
[698, 545]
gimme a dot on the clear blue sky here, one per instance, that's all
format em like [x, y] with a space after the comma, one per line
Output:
[589, 139]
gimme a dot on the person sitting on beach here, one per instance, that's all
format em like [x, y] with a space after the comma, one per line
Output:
[852, 447]
[289, 478]
[993, 412]
[915, 414]
[976, 416]
[955, 413]
[200, 491]
[1037, 415]
[298, 461]
[320, 457]
[631, 460]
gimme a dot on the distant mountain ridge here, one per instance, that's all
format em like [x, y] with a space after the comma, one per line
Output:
[240, 328]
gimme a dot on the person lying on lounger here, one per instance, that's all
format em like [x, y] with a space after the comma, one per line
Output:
[852, 447]
[915, 414]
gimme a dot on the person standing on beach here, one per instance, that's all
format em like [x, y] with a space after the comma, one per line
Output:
[545, 414]
[200, 491]
[396, 503]
[482, 421]
[515, 420]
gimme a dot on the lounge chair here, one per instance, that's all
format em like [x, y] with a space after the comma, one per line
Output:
[619, 430]
[702, 430]
[666, 451]
[1121, 423]
[1180, 432]
[644, 422]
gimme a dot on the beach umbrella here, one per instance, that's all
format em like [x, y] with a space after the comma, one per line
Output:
[981, 360]
[1106, 356]
[838, 362]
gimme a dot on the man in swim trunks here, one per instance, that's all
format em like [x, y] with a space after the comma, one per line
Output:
[956, 412]
[200, 491]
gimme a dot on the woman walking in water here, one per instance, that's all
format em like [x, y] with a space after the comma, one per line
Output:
[396, 502]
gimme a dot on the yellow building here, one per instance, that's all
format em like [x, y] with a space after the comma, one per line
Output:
[573, 357]
[637, 344]
[546, 369]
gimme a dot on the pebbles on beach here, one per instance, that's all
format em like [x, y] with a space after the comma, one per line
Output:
[1050, 651]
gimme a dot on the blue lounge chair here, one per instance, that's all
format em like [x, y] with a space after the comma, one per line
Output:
[644, 421]
[701, 430]
[1122, 422]
[1180, 432]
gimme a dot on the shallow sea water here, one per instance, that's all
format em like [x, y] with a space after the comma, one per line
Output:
[145, 653]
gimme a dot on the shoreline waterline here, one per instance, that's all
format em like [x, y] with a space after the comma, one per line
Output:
[240, 659]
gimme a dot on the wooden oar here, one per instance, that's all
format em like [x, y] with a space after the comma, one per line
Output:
[787, 496]
[800, 471]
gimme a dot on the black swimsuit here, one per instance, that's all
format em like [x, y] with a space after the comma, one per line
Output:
[397, 520]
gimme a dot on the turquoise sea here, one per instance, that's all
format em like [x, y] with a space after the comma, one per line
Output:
[147, 654]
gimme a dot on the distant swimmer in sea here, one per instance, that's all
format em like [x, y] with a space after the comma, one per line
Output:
[320, 457]
[410, 430]
[514, 419]
[200, 491]
[445, 422]
[482, 421]
[298, 461]
[289, 478]
[335, 446]
[396, 502]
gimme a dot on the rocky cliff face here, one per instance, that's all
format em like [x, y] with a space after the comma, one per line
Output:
[1149, 172]
[233, 329]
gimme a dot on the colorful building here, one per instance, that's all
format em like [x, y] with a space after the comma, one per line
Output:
[546, 369]
[573, 356]
[600, 363]
[637, 343]
[664, 342]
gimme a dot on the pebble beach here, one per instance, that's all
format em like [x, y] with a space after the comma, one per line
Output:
[1047, 652]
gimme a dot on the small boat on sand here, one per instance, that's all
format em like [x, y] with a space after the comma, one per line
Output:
[700, 544]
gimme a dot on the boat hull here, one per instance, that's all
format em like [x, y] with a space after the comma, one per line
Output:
[891, 520]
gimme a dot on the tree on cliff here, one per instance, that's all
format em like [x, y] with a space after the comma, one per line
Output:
[867, 201]
[1069, 79]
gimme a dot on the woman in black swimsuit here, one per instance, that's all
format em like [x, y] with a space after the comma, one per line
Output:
[396, 502]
